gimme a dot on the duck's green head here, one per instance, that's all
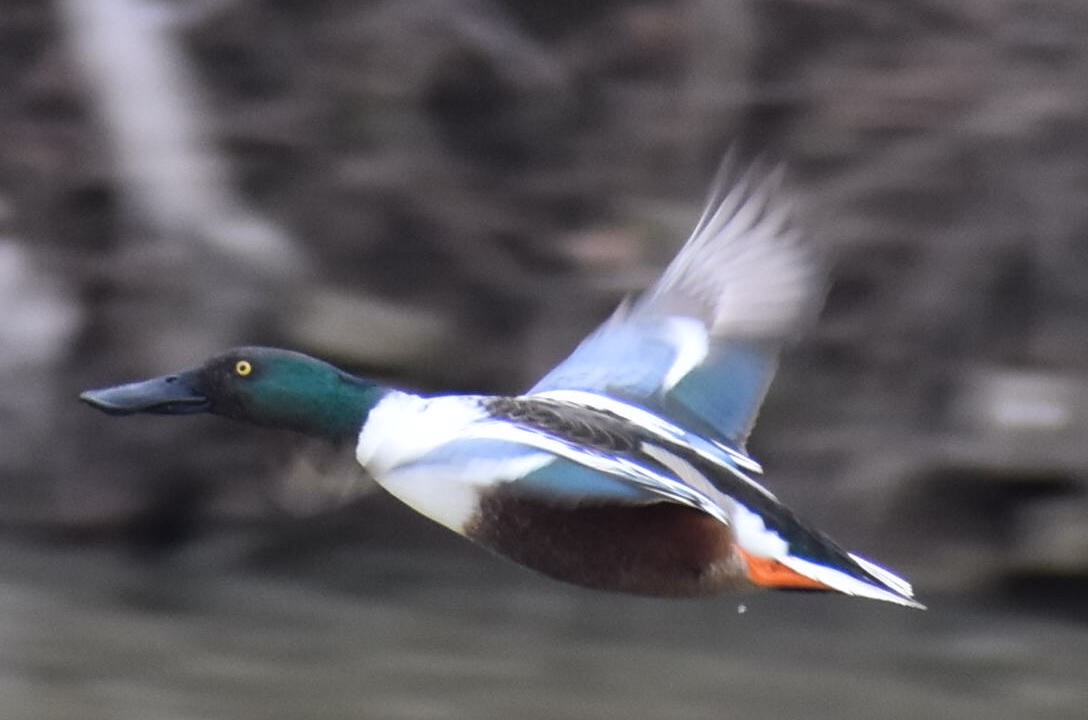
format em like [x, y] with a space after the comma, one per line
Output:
[264, 386]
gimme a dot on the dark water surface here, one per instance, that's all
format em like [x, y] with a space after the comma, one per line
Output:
[439, 631]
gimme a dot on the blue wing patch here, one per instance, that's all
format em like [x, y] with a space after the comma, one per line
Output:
[630, 359]
[720, 397]
[567, 481]
[463, 451]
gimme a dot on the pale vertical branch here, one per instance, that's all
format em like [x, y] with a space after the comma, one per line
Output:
[196, 271]
[147, 96]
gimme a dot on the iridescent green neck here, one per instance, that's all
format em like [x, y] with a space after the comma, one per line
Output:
[335, 409]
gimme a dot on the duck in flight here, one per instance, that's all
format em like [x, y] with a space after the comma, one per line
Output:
[625, 467]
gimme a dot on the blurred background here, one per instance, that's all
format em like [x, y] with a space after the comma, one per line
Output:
[448, 194]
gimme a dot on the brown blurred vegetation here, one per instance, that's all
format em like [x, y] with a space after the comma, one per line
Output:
[470, 186]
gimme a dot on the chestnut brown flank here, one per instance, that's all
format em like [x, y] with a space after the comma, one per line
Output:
[662, 549]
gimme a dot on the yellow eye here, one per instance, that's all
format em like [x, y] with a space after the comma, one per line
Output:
[243, 367]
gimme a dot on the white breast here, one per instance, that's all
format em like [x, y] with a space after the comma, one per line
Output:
[403, 428]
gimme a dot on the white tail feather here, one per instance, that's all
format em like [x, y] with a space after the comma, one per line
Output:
[885, 576]
[899, 593]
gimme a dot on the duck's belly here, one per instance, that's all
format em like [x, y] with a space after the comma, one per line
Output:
[662, 549]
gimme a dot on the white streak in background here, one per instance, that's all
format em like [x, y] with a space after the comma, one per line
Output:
[39, 318]
[148, 98]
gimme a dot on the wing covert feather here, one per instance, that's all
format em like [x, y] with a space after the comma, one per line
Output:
[700, 347]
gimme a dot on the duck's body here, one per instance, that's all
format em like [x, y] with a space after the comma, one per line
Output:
[624, 468]
[545, 484]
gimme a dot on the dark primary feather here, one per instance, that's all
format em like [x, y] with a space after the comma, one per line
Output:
[577, 424]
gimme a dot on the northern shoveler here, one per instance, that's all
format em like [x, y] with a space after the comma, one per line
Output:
[625, 467]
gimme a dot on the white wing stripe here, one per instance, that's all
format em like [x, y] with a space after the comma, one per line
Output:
[662, 428]
[643, 418]
[640, 475]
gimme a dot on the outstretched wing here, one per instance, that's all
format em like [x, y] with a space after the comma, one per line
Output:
[700, 347]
